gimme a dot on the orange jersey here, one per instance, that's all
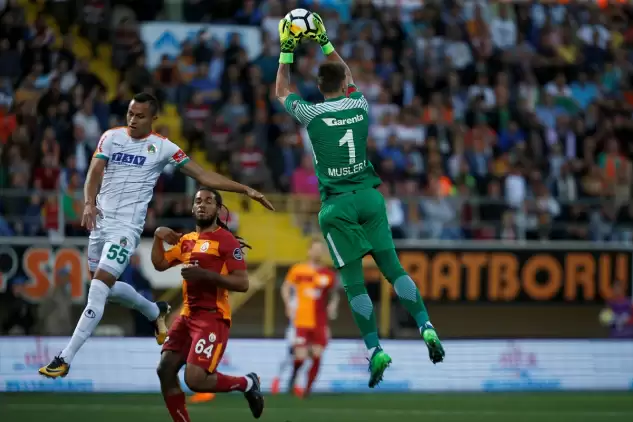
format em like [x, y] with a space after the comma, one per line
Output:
[217, 251]
[311, 288]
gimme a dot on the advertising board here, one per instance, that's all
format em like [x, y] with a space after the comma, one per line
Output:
[491, 272]
[166, 38]
[477, 366]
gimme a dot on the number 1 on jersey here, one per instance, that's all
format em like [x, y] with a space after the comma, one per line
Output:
[348, 139]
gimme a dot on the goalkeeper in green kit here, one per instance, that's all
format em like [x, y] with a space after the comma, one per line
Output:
[353, 216]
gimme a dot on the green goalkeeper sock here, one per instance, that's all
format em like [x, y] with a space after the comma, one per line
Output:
[404, 286]
[360, 303]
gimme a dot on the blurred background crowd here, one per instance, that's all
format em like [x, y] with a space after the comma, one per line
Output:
[490, 120]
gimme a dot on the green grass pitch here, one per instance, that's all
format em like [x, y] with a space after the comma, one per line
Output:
[494, 407]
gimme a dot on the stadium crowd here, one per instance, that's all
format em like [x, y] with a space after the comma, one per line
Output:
[489, 120]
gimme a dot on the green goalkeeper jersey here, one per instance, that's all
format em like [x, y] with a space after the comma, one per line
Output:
[338, 130]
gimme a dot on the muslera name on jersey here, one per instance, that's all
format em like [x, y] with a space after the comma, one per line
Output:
[346, 171]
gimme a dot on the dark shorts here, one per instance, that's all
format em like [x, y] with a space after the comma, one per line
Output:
[201, 339]
[318, 336]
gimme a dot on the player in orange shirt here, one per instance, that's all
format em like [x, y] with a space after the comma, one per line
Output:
[212, 266]
[310, 295]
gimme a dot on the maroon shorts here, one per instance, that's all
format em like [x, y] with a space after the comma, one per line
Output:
[317, 336]
[200, 338]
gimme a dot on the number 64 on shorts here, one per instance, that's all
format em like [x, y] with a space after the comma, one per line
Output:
[201, 348]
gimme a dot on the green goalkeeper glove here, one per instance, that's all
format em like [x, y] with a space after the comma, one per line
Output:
[287, 41]
[321, 34]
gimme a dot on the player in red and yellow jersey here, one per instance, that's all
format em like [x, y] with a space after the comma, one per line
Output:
[212, 265]
[311, 298]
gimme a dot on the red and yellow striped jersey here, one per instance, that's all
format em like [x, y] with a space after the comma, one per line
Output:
[217, 251]
[311, 286]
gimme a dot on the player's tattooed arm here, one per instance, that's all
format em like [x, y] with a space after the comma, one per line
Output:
[282, 84]
[217, 181]
[91, 189]
[211, 179]
[236, 281]
[93, 180]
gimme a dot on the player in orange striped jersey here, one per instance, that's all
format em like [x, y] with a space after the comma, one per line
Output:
[212, 266]
[311, 298]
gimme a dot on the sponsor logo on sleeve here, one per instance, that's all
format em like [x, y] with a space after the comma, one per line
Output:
[237, 254]
[179, 156]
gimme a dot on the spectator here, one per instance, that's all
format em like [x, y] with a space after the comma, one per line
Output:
[545, 208]
[610, 160]
[249, 164]
[54, 313]
[564, 185]
[8, 120]
[21, 313]
[439, 213]
[138, 77]
[31, 216]
[457, 51]
[95, 15]
[167, 77]
[203, 85]
[409, 130]
[10, 66]
[593, 31]
[621, 311]
[482, 90]
[395, 213]
[304, 186]
[547, 112]
[479, 34]
[503, 29]
[515, 189]
[89, 124]
[234, 111]
[304, 181]
[46, 177]
[195, 116]
[584, 91]
[119, 104]
[510, 137]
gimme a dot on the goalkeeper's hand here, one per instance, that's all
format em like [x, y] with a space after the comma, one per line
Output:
[287, 41]
[321, 32]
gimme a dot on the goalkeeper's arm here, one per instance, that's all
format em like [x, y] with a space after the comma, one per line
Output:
[328, 48]
[335, 57]
[282, 84]
[287, 45]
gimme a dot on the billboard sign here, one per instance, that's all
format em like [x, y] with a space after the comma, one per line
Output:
[494, 365]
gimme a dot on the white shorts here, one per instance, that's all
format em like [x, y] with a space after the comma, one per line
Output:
[110, 246]
[291, 333]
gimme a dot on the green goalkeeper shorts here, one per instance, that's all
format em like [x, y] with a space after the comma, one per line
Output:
[354, 224]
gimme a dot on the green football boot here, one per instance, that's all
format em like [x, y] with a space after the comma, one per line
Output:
[378, 364]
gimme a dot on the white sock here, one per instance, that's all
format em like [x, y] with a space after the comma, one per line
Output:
[125, 295]
[97, 297]
[249, 383]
